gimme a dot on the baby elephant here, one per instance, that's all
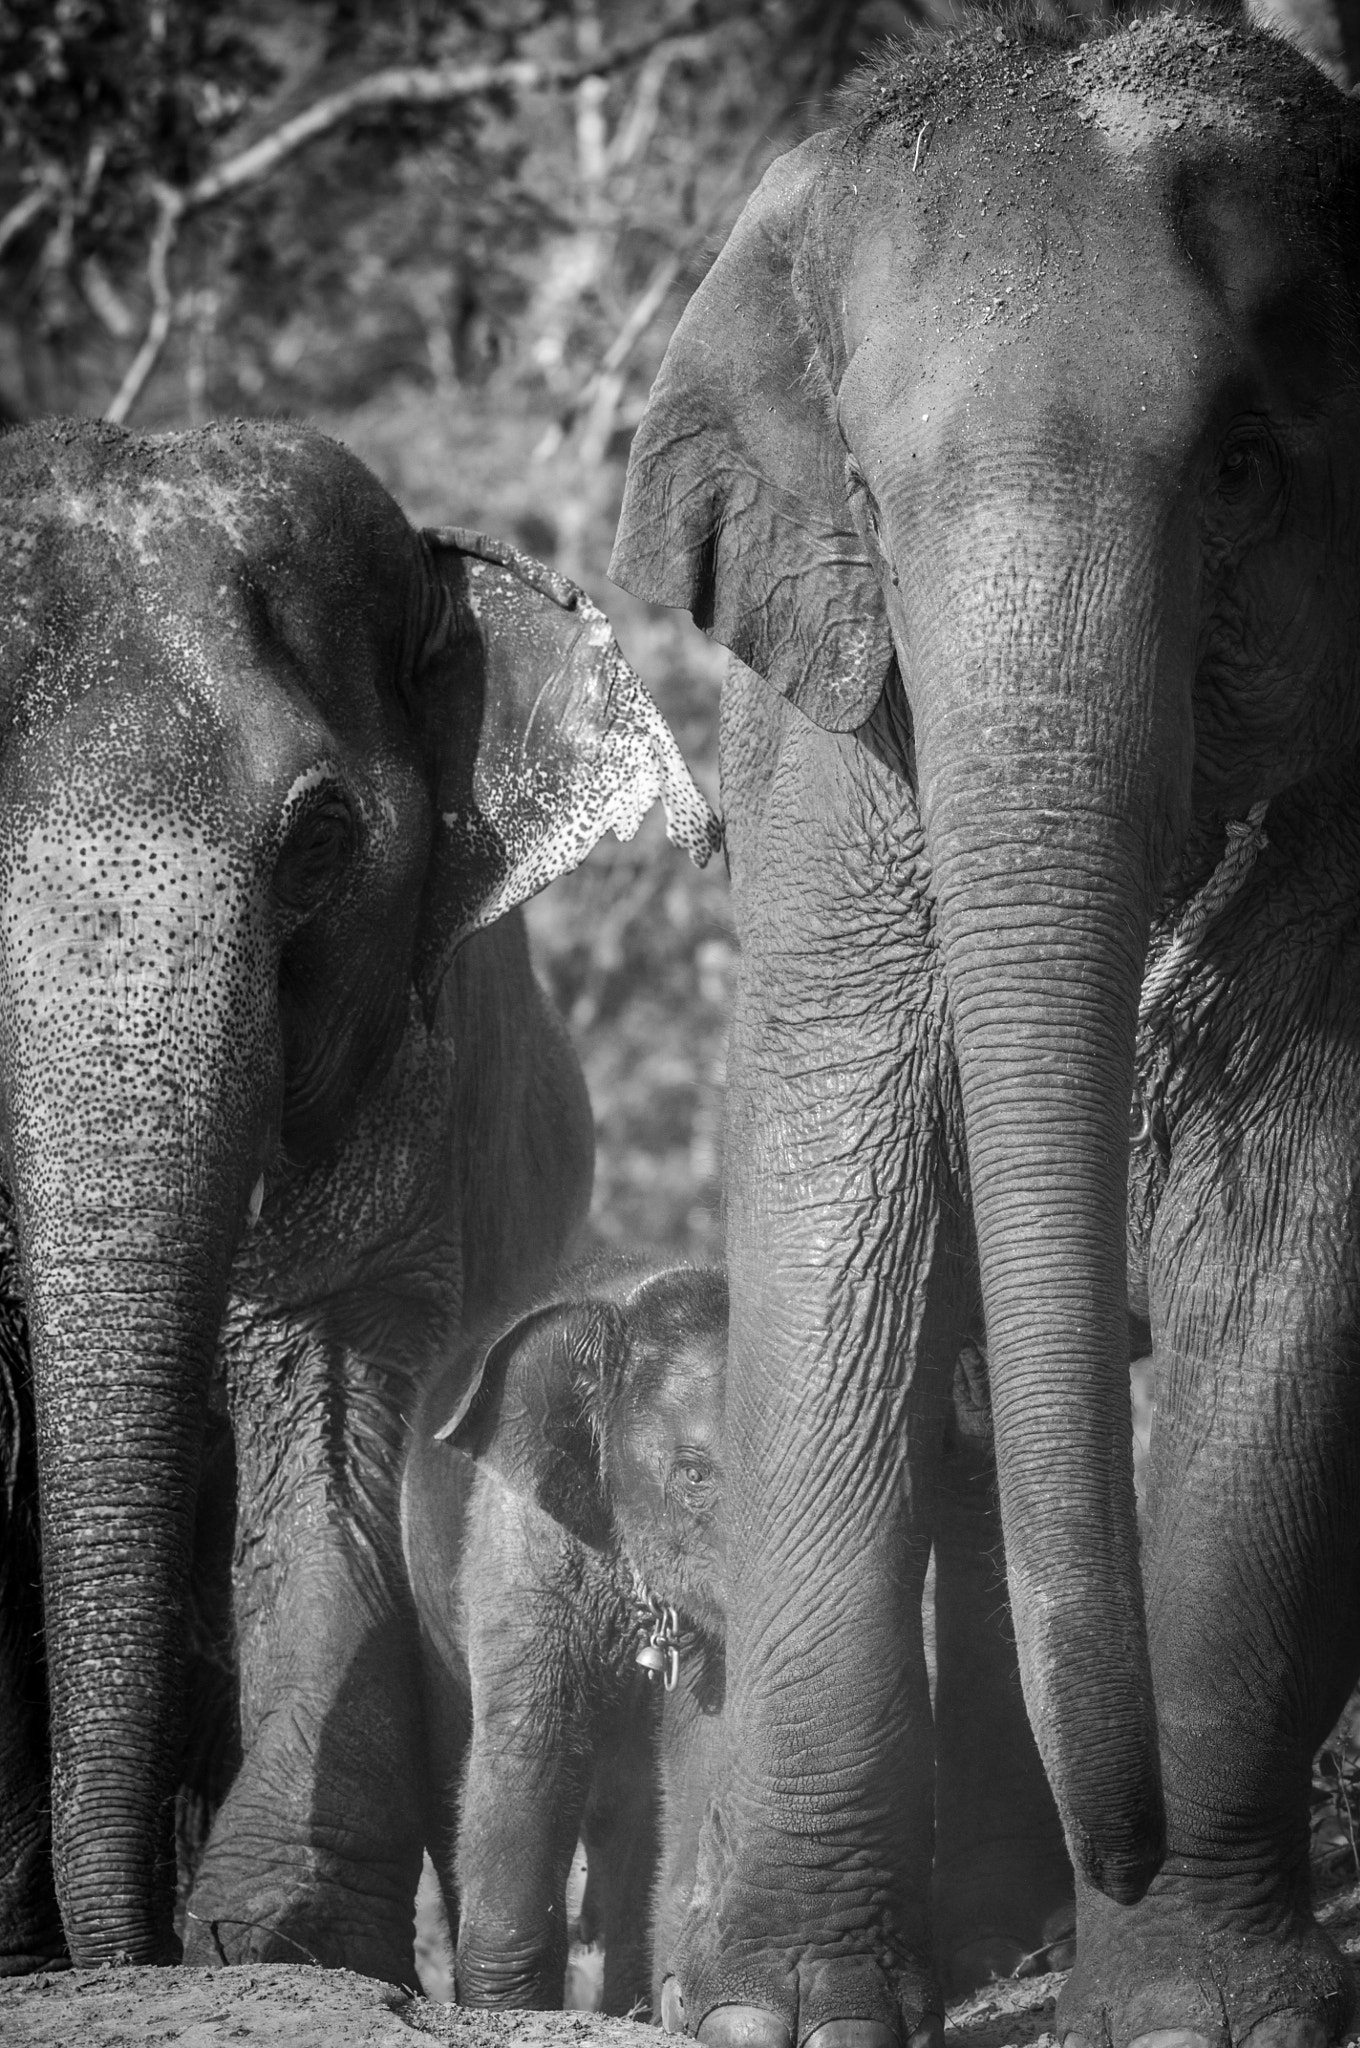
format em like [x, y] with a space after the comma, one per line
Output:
[561, 1495]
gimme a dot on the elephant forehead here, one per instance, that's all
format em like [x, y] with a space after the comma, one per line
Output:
[994, 164]
[255, 485]
[141, 724]
[215, 545]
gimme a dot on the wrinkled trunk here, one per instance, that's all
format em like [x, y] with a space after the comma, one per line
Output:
[134, 1100]
[1052, 743]
[122, 1351]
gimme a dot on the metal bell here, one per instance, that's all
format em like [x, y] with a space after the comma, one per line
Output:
[651, 1658]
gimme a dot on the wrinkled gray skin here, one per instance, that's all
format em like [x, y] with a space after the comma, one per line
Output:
[1014, 442]
[584, 1445]
[240, 837]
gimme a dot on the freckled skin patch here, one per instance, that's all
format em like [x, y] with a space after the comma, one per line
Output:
[216, 821]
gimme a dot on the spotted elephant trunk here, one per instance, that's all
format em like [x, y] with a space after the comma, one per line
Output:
[137, 1082]
[1050, 732]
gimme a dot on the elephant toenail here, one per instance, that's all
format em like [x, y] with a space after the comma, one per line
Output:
[852, 2034]
[930, 2033]
[1171, 2037]
[1287, 2030]
[743, 2026]
[1075, 2041]
[672, 2007]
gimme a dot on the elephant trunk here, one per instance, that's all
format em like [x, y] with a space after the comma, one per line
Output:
[122, 1351]
[139, 1078]
[1051, 737]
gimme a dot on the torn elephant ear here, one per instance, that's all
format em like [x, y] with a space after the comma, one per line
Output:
[546, 740]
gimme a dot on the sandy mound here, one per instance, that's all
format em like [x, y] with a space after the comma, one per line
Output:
[268, 2005]
[286, 2005]
[283, 2005]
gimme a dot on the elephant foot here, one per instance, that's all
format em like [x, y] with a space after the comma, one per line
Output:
[311, 1923]
[35, 1961]
[799, 1998]
[1002, 1912]
[1163, 1974]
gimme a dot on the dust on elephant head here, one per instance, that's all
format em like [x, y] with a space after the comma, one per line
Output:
[270, 759]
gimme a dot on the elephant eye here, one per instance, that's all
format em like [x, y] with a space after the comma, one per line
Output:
[314, 853]
[1249, 472]
[692, 1480]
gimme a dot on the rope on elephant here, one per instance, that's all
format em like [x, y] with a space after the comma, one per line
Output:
[1245, 837]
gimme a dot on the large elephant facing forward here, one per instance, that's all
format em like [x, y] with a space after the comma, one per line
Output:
[267, 757]
[1014, 439]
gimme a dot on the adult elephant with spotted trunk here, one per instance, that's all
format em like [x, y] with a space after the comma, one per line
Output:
[1013, 442]
[269, 757]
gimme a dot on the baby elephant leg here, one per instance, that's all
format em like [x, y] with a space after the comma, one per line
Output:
[621, 1838]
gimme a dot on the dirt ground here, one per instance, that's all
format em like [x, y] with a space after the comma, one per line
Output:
[290, 2006]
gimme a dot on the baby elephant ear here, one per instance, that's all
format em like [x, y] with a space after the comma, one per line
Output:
[545, 741]
[735, 507]
[525, 1413]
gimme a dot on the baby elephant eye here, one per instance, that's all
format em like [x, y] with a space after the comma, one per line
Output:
[692, 1480]
[315, 852]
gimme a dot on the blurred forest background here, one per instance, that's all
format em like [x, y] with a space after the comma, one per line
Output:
[456, 234]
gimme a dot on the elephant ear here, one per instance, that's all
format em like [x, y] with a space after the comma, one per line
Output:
[527, 1411]
[735, 508]
[542, 740]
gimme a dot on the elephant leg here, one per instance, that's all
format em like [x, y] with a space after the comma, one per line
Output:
[810, 1912]
[1252, 1567]
[448, 1722]
[1003, 1880]
[619, 1829]
[691, 1754]
[316, 1852]
[213, 1746]
[31, 1936]
[544, 1616]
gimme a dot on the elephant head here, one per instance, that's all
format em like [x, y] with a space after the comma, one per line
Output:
[269, 754]
[1017, 426]
[605, 1405]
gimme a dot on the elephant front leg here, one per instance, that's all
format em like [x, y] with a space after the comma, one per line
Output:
[810, 1911]
[1253, 1593]
[1003, 1880]
[316, 1852]
[619, 1829]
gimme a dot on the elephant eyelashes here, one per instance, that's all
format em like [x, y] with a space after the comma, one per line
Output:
[692, 1483]
[316, 851]
[1250, 475]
